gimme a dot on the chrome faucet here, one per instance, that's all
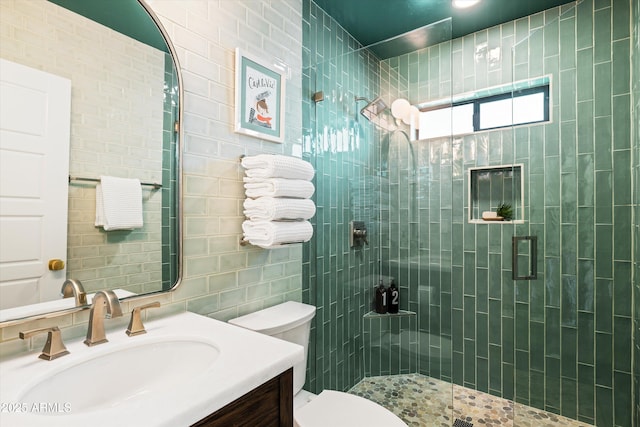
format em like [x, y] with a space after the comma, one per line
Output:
[73, 288]
[101, 300]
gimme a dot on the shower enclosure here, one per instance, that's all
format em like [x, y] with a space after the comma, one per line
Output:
[552, 334]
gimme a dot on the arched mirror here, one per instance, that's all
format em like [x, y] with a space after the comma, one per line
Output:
[103, 76]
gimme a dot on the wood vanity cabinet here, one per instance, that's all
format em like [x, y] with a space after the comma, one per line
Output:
[270, 404]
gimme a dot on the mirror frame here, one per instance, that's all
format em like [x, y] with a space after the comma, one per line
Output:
[179, 192]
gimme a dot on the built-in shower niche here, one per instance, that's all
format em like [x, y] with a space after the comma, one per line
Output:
[490, 186]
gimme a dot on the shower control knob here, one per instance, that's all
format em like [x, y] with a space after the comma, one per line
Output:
[361, 234]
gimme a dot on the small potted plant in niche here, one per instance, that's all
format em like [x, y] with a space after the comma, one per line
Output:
[505, 211]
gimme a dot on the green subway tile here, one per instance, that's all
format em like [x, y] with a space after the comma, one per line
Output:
[536, 299]
[537, 343]
[470, 362]
[469, 273]
[552, 181]
[569, 302]
[603, 138]
[482, 290]
[551, 138]
[495, 367]
[585, 125]
[586, 180]
[584, 25]
[622, 392]
[458, 368]
[508, 381]
[522, 377]
[602, 35]
[621, 14]
[552, 382]
[604, 197]
[602, 93]
[604, 249]
[552, 281]
[622, 338]
[567, 43]
[569, 352]
[552, 332]
[604, 406]
[482, 334]
[568, 94]
[522, 327]
[604, 359]
[508, 339]
[495, 322]
[551, 37]
[586, 284]
[469, 317]
[622, 178]
[569, 402]
[621, 67]
[604, 305]
[586, 337]
[536, 386]
[622, 292]
[552, 233]
[482, 374]
[586, 391]
[621, 120]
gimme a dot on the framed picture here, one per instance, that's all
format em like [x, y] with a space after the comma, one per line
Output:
[259, 98]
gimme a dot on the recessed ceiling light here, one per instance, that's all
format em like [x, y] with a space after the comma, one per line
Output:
[463, 4]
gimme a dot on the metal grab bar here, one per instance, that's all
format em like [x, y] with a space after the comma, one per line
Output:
[533, 257]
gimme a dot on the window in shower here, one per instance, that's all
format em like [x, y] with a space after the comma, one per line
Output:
[490, 109]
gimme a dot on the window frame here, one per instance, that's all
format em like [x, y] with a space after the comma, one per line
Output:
[511, 94]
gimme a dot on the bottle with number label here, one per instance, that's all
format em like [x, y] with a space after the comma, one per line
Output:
[393, 298]
[381, 299]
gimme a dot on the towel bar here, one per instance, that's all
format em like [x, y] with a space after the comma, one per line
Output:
[155, 185]
[244, 242]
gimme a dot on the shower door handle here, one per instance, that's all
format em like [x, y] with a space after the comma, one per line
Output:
[532, 273]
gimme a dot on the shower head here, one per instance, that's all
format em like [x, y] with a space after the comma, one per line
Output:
[373, 108]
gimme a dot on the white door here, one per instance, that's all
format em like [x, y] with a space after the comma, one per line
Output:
[35, 113]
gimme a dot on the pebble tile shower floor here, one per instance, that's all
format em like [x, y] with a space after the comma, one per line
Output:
[421, 401]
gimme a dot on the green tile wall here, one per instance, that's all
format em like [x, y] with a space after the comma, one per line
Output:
[169, 183]
[635, 132]
[339, 280]
[561, 342]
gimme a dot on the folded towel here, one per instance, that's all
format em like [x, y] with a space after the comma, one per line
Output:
[278, 187]
[269, 208]
[277, 166]
[118, 203]
[267, 234]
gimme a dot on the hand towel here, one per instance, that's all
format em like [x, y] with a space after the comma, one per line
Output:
[278, 187]
[277, 166]
[268, 234]
[118, 203]
[269, 208]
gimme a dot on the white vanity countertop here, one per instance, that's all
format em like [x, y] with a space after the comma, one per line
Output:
[246, 360]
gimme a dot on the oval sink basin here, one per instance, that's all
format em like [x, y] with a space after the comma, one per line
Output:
[114, 378]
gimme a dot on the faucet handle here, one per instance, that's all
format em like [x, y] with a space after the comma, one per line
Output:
[135, 324]
[54, 346]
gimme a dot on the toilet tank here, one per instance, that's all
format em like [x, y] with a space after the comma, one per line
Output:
[290, 321]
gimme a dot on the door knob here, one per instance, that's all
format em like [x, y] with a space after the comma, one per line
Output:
[56, 264]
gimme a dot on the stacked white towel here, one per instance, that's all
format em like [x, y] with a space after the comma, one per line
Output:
[118, 203]
[278, 189]
[274, 209]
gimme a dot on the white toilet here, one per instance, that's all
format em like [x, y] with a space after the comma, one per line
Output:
[291, 321]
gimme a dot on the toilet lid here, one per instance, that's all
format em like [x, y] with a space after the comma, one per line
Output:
[337, 409]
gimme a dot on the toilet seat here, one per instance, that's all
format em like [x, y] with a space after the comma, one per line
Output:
[338, 409]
